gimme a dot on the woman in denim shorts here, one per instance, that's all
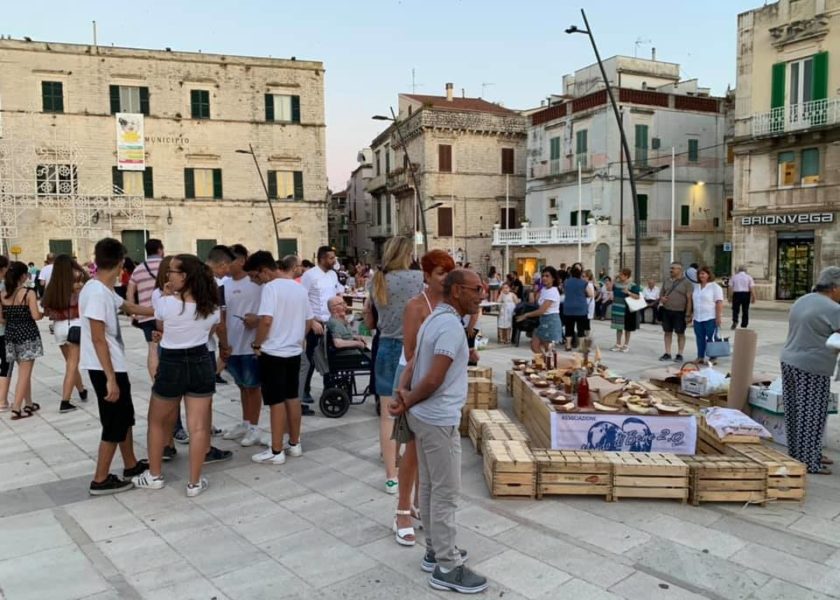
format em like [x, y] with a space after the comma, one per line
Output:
[186, 370]
[393, 286]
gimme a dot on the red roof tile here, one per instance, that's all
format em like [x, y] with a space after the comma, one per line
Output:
[468, 104]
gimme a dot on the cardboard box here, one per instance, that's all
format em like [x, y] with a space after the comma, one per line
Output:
[770, 401]
[696, 384]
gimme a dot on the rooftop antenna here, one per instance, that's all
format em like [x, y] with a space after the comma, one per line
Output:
[639, 42]
[94, 34]
[414, 84]
[485, 85]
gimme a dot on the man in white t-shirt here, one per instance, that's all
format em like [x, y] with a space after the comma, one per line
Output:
[46, 273]
[285, 319]
[103, 356]
[320, 283]
[242, 299]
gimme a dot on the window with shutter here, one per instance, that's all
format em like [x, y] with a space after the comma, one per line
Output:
[129, 99]
[200, 104]
[133, 183]
[445, 158]
[507, 161]
[117, 180]
[573, 218]
[286, 246]
[148, 183]
[114, 98]
[203, 248]
[787, 169]
[217, 184]
[643, 206]
[298, 181]
[295, 109]
[189, 183]
[810, 166]
[641, 145]
[269, 107]
[284, 185]
[144, 100]
[508, 220]
[685, 211]
[271, 178]
[52, 96]
[581, 148]
[693, 150]
[444, 216]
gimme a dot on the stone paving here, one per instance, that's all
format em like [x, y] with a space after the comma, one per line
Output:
[319, 526]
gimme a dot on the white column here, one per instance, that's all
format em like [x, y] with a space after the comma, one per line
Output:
[580, 215]
[673, 199]
[507, 219]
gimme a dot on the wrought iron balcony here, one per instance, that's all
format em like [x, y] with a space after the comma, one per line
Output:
[543, 236]
[796, 117]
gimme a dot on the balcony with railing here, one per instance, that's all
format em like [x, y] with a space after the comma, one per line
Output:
[401, 178]
[797, 117]
[662, 228]
[543, 236]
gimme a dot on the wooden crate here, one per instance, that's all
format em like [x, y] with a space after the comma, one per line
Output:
[509, 469]
[573, 472]
[709, 442]
[648, 475]
[484, 372]
[726, 479]
[478, 417]
[482, 393]
[500, 430]
[518, 390]
[785, 475]
[509, 377]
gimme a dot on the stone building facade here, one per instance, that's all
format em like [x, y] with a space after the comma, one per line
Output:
[58, 117]
[468, 157]
[787, 145]
[574, 213]
[360, 209]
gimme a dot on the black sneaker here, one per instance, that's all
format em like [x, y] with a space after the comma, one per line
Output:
[137, 469]
[665, 356]
[111, 485]
[679, 358]
[429, 561]
[169, 452]
[220, 379]
[67, 406]
[306, 411]
[307, 398]
[83, 395]
[215, 455]
[459, 579]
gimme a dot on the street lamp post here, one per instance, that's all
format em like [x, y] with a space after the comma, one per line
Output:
[253, 154]
[637, 262]
[418, 198]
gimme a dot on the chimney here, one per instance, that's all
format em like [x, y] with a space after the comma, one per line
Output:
[653, 53]
[449, 90]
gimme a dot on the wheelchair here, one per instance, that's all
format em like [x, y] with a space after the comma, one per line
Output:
[339, 370]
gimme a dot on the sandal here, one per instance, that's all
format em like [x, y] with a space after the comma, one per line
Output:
[17, 415]
[404, 535]
[823, 459]
[4, 408]
[32, 408]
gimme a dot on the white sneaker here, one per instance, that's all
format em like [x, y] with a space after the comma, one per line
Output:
[252, 438]
[392, 486]
[237, 432]
[294, 451]
[194, 490]
[267, 457]
[148, 481]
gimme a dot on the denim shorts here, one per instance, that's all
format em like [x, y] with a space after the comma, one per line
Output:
[185, 372]
[550, 329]
[245, 370]
[387, 359]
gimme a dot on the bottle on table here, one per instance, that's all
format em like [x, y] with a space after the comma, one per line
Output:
[583, 393]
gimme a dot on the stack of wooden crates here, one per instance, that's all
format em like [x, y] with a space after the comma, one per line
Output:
[482, 393]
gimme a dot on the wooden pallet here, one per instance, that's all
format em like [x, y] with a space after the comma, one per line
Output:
[573, 472]
[648, 475]
[509, 469]
[726, 479]
[502, 431]
[483, 372]
[785, 475]
[709, 442]
[478, 417]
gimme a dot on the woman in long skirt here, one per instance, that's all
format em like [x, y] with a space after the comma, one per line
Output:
[623, 319]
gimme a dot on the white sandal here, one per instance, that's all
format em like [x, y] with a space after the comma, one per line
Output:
[403, 533]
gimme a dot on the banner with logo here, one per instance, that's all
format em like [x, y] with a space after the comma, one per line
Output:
[623, 433]
[131, 148]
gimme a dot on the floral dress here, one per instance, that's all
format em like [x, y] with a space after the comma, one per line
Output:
[23, 340]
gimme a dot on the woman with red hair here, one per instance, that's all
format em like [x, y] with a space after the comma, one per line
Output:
[435, 264]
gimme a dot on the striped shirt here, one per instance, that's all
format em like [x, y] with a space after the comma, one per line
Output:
[145, 279]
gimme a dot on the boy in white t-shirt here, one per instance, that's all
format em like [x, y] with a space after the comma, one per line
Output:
[103, 356]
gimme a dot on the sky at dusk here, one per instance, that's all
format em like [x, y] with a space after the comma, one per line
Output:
[510, 52]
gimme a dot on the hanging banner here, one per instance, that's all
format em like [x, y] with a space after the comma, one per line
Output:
[623, 433]
[131, 149]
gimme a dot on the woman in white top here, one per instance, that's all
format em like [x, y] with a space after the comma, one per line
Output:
[550, 329]
[186, 370]
[708, 309]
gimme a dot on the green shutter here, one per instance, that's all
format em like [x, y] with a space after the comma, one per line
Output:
[777, 94]
[810, 162]
[195, 111]
[217, 183]
[144, 100]
[189, 183]
[286, 246]
[269, 107]
[555, 148]
[295, 109]
[819, 84]
[114, 91]
[148, 183]
[693, 150]
[272, 184]
[580, 139]
[643, 206]
[298, 182]
[684, 215]
[117, 179]
[203, 248]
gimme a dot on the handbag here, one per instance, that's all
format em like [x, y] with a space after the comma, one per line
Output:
[833, 341]
[635, 304]
[74, 334]
[718, 347]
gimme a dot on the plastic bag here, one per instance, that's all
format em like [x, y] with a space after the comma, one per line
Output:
[716, 380]
[481, 342]
[728, 421]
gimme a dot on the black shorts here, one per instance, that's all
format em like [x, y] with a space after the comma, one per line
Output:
[5, 365]
[148, 327]
[185, 372]
[280, 378]
[673, 321]
[117, 418]
[579, 322]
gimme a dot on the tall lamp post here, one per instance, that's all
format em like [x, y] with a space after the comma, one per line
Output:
[637, 262]
[253, 154]
[418, 198]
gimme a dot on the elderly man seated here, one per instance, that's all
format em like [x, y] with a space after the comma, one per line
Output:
[347, 345]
